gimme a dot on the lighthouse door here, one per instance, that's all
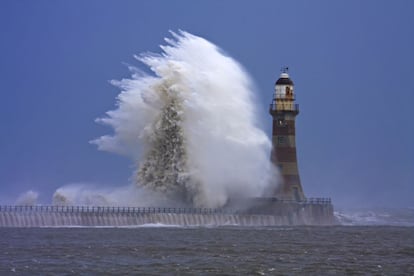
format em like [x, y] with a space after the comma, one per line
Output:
[296, 193]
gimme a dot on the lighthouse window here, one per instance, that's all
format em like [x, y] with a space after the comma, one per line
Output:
[287, 91]
[280, 122]
[280, 140]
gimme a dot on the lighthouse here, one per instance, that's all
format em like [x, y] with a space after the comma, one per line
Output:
[284, 110]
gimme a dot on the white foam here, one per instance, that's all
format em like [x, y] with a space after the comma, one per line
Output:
[393, 217]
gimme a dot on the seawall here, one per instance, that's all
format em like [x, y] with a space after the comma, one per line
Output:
[284, 213]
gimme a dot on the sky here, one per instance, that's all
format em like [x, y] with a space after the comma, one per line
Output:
[352, 63]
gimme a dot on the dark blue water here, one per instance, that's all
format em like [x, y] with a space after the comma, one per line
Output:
[356, 250]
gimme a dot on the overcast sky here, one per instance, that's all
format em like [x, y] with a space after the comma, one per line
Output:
[352, 63]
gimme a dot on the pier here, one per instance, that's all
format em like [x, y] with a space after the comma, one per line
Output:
[275, 212]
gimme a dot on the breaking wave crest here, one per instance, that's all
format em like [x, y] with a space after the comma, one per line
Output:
[191, 125]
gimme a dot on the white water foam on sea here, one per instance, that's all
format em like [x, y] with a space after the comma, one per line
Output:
[157, 225]
[373, 216]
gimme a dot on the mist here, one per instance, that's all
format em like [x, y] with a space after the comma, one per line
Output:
[28, 198]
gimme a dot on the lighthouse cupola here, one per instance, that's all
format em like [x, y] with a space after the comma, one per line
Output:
[284, 111]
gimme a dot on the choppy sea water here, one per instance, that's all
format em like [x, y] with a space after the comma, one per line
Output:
[356, 250]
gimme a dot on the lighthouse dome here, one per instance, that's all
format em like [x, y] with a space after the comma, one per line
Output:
[284, 79]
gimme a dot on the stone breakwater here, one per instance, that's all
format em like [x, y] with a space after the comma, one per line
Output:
[284, 213]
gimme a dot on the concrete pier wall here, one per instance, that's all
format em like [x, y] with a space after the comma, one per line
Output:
[81, 216]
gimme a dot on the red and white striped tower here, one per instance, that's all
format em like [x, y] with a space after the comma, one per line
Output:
[284, 111]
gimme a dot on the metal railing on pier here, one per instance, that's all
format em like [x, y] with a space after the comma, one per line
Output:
[318, 200]
[107, 209]
[311, 200]
[143, 210]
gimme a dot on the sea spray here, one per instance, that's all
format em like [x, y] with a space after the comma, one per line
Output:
[166, 160]
[89, 194]
[191, 126]
[28, 198]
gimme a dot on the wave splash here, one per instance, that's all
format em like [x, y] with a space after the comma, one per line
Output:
[191, 125]
[376, 216]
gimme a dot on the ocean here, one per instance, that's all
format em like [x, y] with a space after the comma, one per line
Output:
[157, 249]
